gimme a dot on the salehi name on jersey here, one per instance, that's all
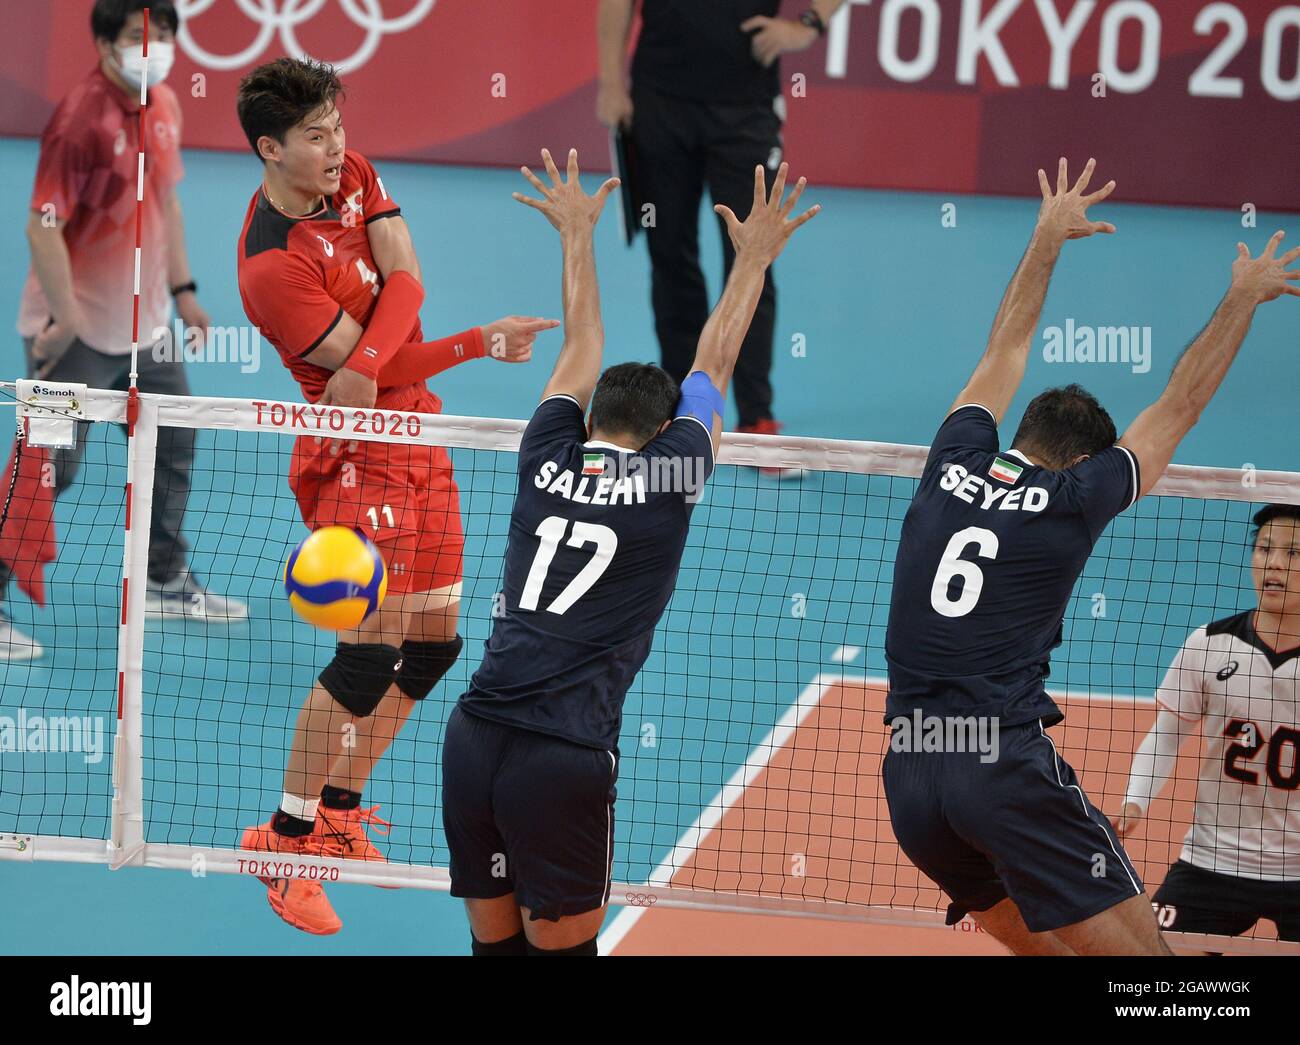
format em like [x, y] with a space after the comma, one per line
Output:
[976, 490]
[630, 489]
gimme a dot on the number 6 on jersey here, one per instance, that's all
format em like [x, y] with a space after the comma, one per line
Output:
[952, 565]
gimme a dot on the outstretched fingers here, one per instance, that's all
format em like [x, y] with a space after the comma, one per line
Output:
[1100, 194]
[1062, 177]
[609, 186]
[778, 186]
[536, 182]
[551, 169]
[1274, 241]
[1085, 177]
[760, 189]
[788, 207]
[528, 201]
[803, 218]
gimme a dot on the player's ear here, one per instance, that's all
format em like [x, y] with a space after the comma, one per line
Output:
[1080, 459]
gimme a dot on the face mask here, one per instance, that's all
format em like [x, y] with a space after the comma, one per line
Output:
[131, 62]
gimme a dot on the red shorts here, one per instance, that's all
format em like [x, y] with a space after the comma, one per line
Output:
[401, 495]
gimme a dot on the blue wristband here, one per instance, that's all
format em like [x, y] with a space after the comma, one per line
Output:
[700, 399]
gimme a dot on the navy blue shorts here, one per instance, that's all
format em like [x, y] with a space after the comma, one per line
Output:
[529, 814]
[1017, 826]
[1194, 900]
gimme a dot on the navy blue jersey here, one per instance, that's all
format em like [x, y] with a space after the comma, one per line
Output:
[990, 551]
[596, 538]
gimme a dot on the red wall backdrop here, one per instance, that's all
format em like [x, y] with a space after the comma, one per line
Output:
[1200, 102]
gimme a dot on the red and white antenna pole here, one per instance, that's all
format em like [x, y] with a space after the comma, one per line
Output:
[126, 839]
[132, 401]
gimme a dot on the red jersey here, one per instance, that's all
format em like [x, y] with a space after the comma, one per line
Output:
[87, 175]
[297, 276]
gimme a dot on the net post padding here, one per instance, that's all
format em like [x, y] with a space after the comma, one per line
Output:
[126, 844]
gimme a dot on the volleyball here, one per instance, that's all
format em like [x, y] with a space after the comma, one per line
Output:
[335, 578]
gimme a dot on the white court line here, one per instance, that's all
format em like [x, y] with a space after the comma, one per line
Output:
[846, 654]
[747, 773]
[713, 813]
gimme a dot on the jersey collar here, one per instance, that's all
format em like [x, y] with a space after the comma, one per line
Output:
[596, 444]
[325, 213]
[1275, 658]
[1017, 453]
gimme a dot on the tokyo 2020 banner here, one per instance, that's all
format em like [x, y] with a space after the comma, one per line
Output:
[1186, 101]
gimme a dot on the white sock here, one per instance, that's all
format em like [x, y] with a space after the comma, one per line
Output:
[302, 808]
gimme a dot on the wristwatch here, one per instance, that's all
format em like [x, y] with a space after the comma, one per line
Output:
[813, 20]
[191, 285]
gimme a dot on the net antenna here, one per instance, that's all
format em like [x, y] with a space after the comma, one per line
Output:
[127, 836]
[133, 391]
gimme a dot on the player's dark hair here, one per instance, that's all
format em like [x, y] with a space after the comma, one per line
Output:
[276, 97]
[1270, 512]
[634, 399]
[1062, 424]
[108, 17]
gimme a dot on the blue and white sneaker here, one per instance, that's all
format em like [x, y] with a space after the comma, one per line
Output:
[184, 596]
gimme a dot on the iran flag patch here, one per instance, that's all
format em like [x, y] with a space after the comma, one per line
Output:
[593, 464]
[1007, 471]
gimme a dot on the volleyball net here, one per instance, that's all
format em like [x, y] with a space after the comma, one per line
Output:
[751, 739]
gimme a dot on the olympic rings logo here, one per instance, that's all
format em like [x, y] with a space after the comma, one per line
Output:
[284, 17]
[640, 899]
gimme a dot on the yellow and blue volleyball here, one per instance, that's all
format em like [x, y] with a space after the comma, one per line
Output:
[336, 578]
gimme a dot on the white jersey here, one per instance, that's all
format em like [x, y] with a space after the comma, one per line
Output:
[1247, 818]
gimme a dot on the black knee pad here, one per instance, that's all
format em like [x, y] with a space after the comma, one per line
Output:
[360, 674]
[424, 664]
[516, 946]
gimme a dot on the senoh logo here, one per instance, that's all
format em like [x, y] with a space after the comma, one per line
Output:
[284, 20]
[1227, 671]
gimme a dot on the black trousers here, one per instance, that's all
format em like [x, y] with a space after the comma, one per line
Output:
[171, 483]
[682, 146]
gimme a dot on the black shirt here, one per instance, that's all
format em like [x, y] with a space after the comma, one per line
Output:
[695, 49]
[989, 554]
[596, 539]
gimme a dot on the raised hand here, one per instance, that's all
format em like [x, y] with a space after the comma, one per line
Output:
[563, 202]
[1066, 213]
[1266, 277]
[510, 339]
[763, 235]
